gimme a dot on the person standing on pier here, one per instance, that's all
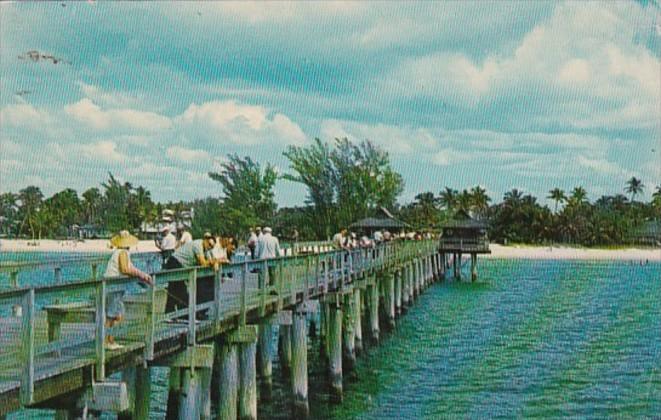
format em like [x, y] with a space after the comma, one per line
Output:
[186, 237]
[252, 241]
[190, 254]
[120, 265]
[268, 247]
[167, 244]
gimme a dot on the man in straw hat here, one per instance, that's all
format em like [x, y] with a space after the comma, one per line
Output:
[120, 265]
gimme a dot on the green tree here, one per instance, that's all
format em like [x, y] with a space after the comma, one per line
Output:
[247, 188]
[31, 200]
[346, 182]
[479, 200]
[115, 204]
[634, 187]
[9, 219]
[92, 202]
[314, 169]
[64, 210]
[557, 195]
[448, 198]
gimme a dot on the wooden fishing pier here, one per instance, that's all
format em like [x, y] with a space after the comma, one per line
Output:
[52, 352]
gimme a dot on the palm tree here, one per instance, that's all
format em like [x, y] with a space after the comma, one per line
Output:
[578, 195]
[448, 198]
[557, 195]
[480, 199]
[634, 186]
[512, 198]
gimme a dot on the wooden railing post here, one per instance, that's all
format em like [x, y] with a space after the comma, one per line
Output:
[244, 279]
[27, 348]
[13, 279]
[57, 273]
[192, 305]
[94, 271]
[217, 279]
[151, 323]
[100, 367]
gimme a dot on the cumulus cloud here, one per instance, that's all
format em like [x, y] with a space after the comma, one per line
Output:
[178, 153]
[87, 112]
[239, 124]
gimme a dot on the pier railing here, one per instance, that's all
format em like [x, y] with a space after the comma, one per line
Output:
[48, 330]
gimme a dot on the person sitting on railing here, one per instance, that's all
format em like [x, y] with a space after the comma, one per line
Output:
[120, 265]
[268, 247]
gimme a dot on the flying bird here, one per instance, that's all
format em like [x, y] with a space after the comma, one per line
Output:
[35, 56]
[23, 92]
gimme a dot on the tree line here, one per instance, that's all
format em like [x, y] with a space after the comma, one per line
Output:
[345, 182]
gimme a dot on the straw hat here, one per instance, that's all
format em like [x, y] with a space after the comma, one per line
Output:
[124, 240]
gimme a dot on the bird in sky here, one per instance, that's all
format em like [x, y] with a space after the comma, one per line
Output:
[35, 56]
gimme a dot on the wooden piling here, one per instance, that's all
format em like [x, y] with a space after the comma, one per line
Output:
[248, 380]
[335, 349]
[191, 394]
[284, 348]
[373, 296]
[227, 359]
[138, 384]
[357, 324]
[264, 357]
[473, 267]
[348, 330]
[299, 363]
[398, 291]
[174, 390]
[389, 289]
[405, 287]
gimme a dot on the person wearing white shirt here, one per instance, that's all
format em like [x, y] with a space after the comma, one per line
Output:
[167, 244]
[268, 247]
[185, 238]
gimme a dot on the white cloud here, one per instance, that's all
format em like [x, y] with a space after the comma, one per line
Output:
[600, 165]
[87, 112]
[182, 154]
[17, 115]
[239, 124]
[394, 139]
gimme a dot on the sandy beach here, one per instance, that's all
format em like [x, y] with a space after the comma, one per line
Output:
[497, 251]
[567, 253]
[50, 245]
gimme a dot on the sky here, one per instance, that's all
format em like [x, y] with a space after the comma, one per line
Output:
[529, 95]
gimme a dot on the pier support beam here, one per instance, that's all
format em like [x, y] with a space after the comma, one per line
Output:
[335, 318]
[405, 287]
[357, 323]
[398, 291]
[248, 373]
[473, 267]
[284, 348]
[174, 390]
[373, 307]
[389, 299]
[349, 330]
[299, 364]
[138, 384]
[227, 360]
[265, 357]
[195, 365]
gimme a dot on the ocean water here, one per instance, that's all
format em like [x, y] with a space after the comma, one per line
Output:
[529, 339]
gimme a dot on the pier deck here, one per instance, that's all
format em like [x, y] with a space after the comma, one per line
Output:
[39, 368]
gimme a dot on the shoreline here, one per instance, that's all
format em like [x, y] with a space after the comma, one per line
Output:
[497, 251]
[569, 253]
[54, 245]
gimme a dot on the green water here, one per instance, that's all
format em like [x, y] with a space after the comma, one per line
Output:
[530, 339]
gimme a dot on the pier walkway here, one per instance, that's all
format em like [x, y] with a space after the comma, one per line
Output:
[52, 352]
